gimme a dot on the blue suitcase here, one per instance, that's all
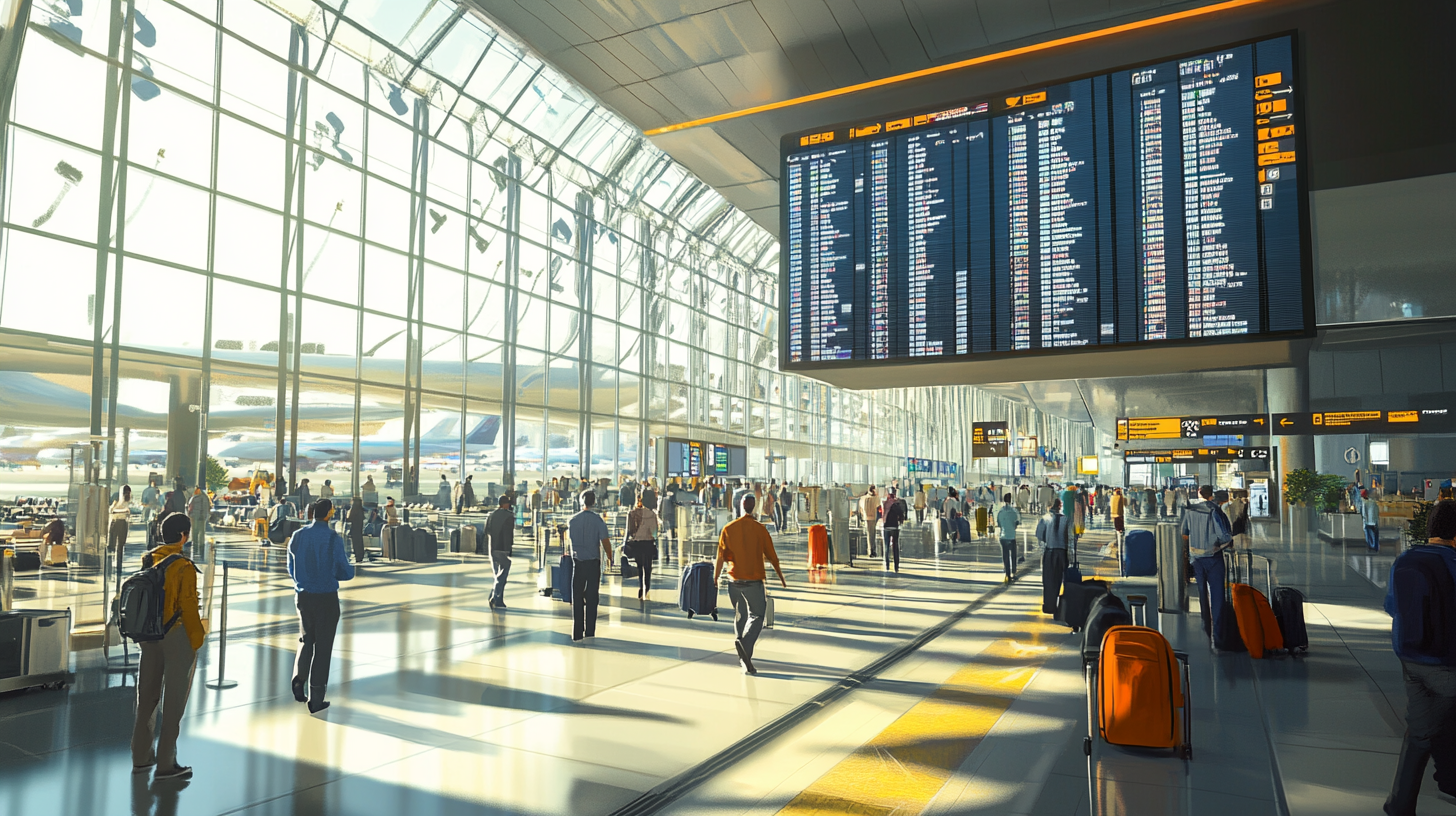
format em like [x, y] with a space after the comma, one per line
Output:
[1139, 553]
[963, 528]
[561, 580]
[696, 592]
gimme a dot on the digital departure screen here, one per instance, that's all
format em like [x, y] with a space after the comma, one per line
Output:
[1154, 204]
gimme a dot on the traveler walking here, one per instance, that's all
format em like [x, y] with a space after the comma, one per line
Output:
[176, 499]
[391, 513]
[641, 545]
[587, 531]
[327, 491]
[739, 491]
[165, 674]
[649, 493]
[869, 511]
[1370, 512]
[1423, 582]
[770, 507]
[1054, 532]
[1007, 519]
[627, 493]
[199, 508]
[920, 504]
[370, 492]
[1206, 529]
[356, 529]
[151, 504]
[443, 494]
[467, 494]
[500, 529]
[786, 501]
[305, 498]
[120, 522]
[949, 512]
[1023, 498]
[457, 494]
[1119, 515]
[895, 515]
[744, 545]
[317, 563]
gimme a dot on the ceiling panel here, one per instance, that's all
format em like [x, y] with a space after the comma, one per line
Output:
[660, 63]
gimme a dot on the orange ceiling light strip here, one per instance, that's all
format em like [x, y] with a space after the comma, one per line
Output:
[1151, 22]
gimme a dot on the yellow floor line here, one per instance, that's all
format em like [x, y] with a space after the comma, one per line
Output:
[901, 769]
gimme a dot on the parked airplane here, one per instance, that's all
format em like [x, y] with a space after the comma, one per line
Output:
[441, 440]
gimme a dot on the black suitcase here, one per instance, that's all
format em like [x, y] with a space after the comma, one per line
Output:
[455, 540]
[1077, 600]
[404, 543]
[26, 561]
[1289, 611]
[628, 567]
[427, 547]
[1107, 611]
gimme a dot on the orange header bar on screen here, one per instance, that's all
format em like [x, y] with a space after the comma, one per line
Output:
[981, 60]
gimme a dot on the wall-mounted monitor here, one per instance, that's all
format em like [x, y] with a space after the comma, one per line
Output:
[1156, 204]
[687, 459]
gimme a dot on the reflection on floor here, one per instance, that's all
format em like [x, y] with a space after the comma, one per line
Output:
[443, 706]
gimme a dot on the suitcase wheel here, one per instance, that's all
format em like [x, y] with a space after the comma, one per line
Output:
[1087, 746]
[1186, 752]
[690, 614]
[715, 614]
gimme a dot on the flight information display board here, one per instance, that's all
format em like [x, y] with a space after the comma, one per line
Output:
[990, 440]
[1189, 456]
[1404, 421]
[1155, 204]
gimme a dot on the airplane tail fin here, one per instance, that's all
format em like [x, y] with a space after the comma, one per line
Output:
[485, 432]
[442, 429]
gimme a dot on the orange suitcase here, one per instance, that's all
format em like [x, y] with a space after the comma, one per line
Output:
[818, 546]
[1258, 627]
[1142, 699]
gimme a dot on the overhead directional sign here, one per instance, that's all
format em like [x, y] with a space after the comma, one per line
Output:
[1131, 429]
[1184, 456]
[1404, 421]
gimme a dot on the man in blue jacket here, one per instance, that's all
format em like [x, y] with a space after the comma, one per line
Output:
[1208, 533]
[1430, 678]
[317, 562]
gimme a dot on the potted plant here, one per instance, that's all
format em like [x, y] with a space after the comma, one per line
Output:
[1301, 486]
[1415, 529]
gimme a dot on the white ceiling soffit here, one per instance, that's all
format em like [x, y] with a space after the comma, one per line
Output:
[659, 63]
[1101, 401]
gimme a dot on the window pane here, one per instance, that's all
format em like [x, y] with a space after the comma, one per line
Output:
[63, 306]
[54, 187]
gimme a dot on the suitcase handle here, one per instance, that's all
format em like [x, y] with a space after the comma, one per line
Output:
[1136, 604]
[1182, 657]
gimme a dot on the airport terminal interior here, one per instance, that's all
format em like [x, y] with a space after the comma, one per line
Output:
[628, 407]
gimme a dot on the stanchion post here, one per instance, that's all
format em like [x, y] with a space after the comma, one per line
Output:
[222, 682]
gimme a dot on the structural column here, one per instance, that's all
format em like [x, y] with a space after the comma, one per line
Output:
[183, 425]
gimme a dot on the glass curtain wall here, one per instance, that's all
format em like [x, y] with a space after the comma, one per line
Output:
[383, 240]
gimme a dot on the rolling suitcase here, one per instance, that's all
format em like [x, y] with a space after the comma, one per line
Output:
[1289, 612]
[1140, 696]
[981, 521]
[963, 528]
[818, 546]
[1107, 611]
[427, 547]
[455, 540]
[1139, 553]
[696, 592]
[404, 543]
[386, 543]
[1257, 627]
[561, 579]
[1077, 599]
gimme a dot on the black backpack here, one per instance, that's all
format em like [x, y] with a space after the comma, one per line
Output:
[141, 601]
[1425, 601]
